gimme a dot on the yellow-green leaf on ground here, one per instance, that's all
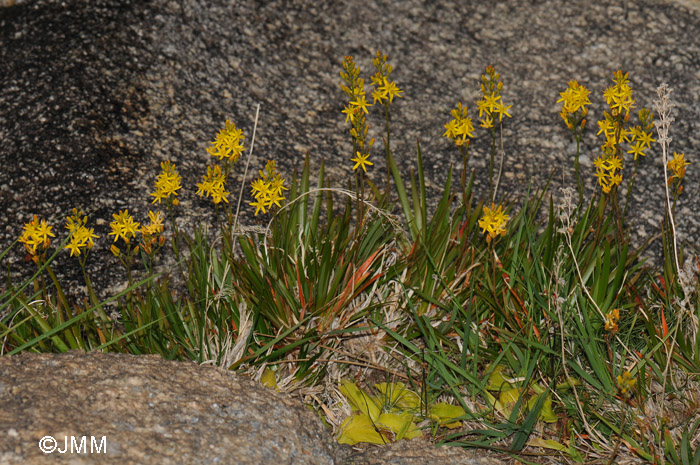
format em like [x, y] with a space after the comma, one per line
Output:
[359, 428]
[401, 424]
[445, 413]
[496, 381]
[547, 444]
[360, 401]
[496, 404]
[268, 378]
[399, 396]
[546, 414]
[509, 397]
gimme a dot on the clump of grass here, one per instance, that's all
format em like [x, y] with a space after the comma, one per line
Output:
[534, 337]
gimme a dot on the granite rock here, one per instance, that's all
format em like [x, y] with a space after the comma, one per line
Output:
[153, 411]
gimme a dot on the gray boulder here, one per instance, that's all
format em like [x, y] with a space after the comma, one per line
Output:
[147, 410]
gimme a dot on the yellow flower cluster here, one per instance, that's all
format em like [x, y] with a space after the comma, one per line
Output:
[123, 226]
[384, 89]
[213, 184]
[677, 166]
[267, 189]
[491, 104]
[493, 222]
[151, 232]
[609, 164]
[81, 237]
[608, 170]
[167, 183]
[626, 383]
[575, 98]
[611, 320]
[619, 97]
[460, 126]
[355, 112]
[677, 169]
[36, 237]
[228, 143]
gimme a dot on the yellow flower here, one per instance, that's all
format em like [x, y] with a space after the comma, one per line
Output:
[491, 101]
[677, 167]
[123, 226]
[227, 143]
[349, 113]
[150, 233]
[611, 320]
[81, 237]
[115, 250]
[361, 161]
[614, 164]
[387, 90]
[167, 182]
[502, 109]
[460, 127]
[481, 105]
[619, 96]
[155, 226]
[36, 236]
[645, 138]
[392, 90]
[626, 383]
[637, 149]
[493, 222]
[361, 103]
[487, 122]
[357, 108]
[259, 204]
[214, 185]
[606, 127]
[267, 190]
[575, 97]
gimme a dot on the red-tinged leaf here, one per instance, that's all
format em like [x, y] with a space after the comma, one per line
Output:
[464, 225]
[301, 295]
[664, 326]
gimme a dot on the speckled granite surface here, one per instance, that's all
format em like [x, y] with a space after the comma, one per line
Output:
[153, 411]
[95, 94]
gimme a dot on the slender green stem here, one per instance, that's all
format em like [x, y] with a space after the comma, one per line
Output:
[579, 181]
[493, 154]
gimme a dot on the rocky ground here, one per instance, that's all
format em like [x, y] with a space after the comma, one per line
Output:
[95, 94]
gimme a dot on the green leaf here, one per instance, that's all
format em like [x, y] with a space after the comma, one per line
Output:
[547, 444]
[496, 381]
[268, 378]
[359, 428]
[445, 414]
[401, 424]
[546, 413]
[397, 395]
[360, 401]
